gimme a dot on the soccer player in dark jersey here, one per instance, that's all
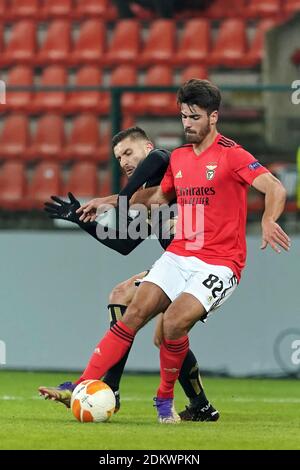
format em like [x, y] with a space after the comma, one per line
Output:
[202, 265]
[145, 166]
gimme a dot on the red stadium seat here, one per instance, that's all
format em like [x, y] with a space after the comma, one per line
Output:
[12, 185]
[1, 40]
[122, 75]
[92, 8]
[4, 13]
[255, 54]
[14, 139]
[291, 6]
[78, 101]
[57, 9]
[21, 47]
[20, 75]
[54, 75]
[90, 45]
[105, 145]
[21, 9]
[125, 44]
[231, 44]
[156, 103]
[194, 71]
[84, 139]
[195, 43]
[56, 47]
[83, 180]
[49, 138]
[46, 181]
[263, 8]
[220, 9]
[105, 185]
[160, 45]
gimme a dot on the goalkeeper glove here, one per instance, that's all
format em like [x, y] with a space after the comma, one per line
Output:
[65, 210]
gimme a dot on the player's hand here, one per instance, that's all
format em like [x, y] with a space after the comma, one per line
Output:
[273, 235]
[65, 210]
[158, 333]
[89, 211]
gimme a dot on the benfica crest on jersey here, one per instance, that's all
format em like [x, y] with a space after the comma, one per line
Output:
[210, 171]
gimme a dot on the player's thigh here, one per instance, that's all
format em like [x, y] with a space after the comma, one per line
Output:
[149, 300]
[123, 292]
[181, 315]
[212, 285]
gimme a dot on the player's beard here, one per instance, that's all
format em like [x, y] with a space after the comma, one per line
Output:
[198, 137]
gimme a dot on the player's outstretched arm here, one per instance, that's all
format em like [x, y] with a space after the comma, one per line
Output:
[275, 197]
[67, 210]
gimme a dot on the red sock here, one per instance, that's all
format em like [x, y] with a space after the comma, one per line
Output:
[108, 352]
[172, 355]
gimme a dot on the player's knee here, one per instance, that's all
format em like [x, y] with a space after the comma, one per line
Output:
[119, 295]
[174, 327]
[135, 317]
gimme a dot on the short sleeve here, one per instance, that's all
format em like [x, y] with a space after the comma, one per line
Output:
[244, 166]
[167, 183]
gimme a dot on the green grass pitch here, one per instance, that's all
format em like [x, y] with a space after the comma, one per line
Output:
[255, 414]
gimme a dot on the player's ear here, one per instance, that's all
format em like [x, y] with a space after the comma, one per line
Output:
[149, 145]
[214, 118]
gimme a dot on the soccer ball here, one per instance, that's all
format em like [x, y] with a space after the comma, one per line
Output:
[93, 401]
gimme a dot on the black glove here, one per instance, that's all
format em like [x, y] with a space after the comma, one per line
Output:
[63, 209]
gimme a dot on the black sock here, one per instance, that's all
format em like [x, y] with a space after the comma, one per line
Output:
[190, 381]
[113, 375]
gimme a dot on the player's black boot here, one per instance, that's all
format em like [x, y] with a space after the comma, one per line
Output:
[196, 413]
[118, 401]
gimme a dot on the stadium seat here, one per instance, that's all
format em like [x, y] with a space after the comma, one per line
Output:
[89, 48]
[263, 8]
[78, 101]
[122, 75]
[84, 139]
[83, 180]
[125, 44]
[231, 44]
[14, 138]
[57, 9]
[54, 75]
[12, 185]
[92, 8]
[195, 43]
[193, 71]
[4, 13]
[255, 54]
[1, 40]
[105, 188]
[220, 9]
[156, 103]
[291, 6]
[46, 181]
[20, 75]
[21, 9]
[160, 45]
[49, 138]
[104, 150]
[21, 47]
[56, 47]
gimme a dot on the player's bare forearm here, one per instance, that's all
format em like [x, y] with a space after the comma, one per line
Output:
[151, 196]
[275, 197]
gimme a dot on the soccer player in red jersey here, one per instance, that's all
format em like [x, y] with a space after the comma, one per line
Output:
[202, 265]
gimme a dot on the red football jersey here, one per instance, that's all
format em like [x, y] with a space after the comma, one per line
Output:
[212, 190]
